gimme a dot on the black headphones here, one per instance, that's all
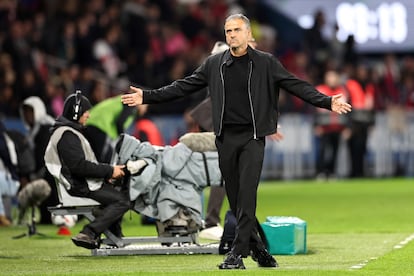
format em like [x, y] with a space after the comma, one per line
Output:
[76, 107]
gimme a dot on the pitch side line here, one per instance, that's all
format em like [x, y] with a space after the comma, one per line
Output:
[400, 245]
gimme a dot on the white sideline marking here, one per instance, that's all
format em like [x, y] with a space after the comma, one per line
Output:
[404, 242]
[362, 264]
[400, 245]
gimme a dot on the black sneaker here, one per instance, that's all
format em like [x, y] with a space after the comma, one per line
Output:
[232, 261]
[85, 241]
[263, 258]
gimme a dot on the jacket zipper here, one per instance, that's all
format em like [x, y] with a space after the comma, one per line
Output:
[250, 99]
[222, 106]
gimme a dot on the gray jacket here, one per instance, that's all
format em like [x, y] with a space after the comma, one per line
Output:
[174, 178]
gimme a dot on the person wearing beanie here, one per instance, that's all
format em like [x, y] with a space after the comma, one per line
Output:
[75, 106]
[70, 159]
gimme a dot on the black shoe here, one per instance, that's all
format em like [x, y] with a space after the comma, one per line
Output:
[232, 261]
[85, 241]
[263, 258]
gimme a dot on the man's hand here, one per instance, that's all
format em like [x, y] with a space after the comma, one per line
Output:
[134, 98]
[339, 106]
[118, 171]
[277, 136]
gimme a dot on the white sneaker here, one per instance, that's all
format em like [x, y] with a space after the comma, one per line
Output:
[212, 233]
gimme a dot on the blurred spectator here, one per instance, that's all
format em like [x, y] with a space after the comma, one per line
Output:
[407, 91]
[175, 42]
[9, 183]
[315, 44]
[40, 64]
[8, 100]
[31, 85]
[134, 22]
[67, 42]
[38, 124]
[8, 104]
[145, 130]
[192, 21]
[361, 96]
[350, 55]
[7, 15]
[39, 31]
[106, 52]
[407, 82]
[389, 79]
[55, 95]
[336, 50]
[299, 67]
[99, 92]
[17, 46]
[328, 128]
[84, 41]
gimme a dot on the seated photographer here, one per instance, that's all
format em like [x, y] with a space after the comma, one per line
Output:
[70, 159]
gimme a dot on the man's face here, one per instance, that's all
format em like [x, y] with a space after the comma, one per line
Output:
[237, 33]
[84, 118]
[28, 114]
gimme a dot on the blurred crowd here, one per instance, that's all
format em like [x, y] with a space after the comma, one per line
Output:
[51, 48]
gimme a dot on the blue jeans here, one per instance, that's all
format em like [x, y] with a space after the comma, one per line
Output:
[8, 187]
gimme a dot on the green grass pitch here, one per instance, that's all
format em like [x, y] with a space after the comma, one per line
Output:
[355, 227]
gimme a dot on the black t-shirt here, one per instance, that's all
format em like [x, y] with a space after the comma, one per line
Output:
[237, 104]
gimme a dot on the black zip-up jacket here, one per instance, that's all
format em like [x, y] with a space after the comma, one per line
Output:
[266, 75]
[74, 165]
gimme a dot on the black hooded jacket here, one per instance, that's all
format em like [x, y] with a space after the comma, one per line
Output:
[266, 76]
[74, 165]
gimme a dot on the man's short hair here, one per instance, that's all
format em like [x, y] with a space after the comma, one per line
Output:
[239, 16]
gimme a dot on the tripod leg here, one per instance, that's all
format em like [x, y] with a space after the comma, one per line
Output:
[20, 236]
[31, 226]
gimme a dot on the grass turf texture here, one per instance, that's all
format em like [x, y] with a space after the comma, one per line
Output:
[353, 229]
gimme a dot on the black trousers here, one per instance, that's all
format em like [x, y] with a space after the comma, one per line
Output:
[240, 161]
[114, 203]
[358, 148]
[328, 153]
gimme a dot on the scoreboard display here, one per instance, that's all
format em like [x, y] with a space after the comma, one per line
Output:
[377, 25]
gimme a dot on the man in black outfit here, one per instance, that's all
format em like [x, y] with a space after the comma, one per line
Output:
[70, 159]
[244, 88]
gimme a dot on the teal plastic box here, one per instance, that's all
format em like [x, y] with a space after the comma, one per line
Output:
[285, 235]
